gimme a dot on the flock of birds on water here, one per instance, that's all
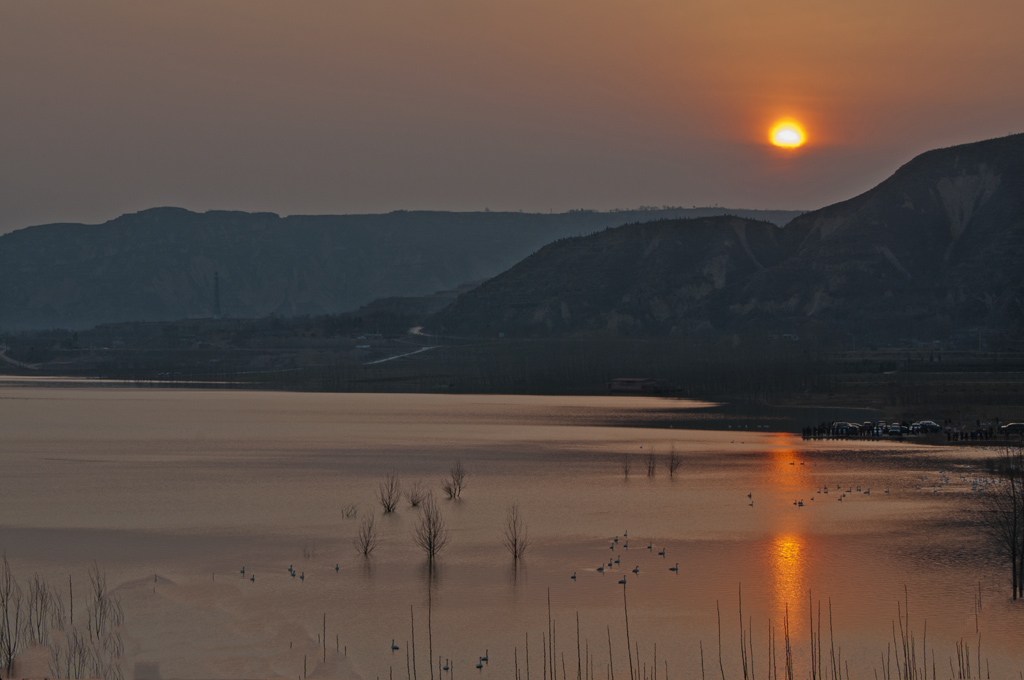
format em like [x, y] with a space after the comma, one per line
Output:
[978, 484]
[614, 563]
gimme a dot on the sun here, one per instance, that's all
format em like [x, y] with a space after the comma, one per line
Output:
[788, 134]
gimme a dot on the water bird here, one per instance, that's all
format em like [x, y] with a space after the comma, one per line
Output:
[625, 534]
[243, 571]
[650, 546]
[291, 568]
[616, 539]
[445, 666]
[675, 568]
[662, 552]
[750, 495]
[302, 576]
[573, 577]
[394, 647]
[601, 569]
[617, 559]
[337, 567]
[480, 665]
[622, 581]
[801, 504]
[294, 573]
[253, 578]
[611, 547]
[626, 545]
[636, 569]
[484, 657]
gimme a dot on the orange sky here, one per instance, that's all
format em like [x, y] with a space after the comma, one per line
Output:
[337, 106]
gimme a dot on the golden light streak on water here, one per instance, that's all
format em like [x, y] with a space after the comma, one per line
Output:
[787, 562]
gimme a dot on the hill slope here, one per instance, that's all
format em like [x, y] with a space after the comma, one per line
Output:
[159, 264]
[934, 250]
[639, 279]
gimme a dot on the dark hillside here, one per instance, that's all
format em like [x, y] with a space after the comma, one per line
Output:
[159, 264]
[931, 253]
[640, 279]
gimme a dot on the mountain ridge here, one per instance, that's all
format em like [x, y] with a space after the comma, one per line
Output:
[159, 264]
[932, 250]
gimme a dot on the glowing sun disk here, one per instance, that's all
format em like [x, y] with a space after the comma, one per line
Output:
[788, 135]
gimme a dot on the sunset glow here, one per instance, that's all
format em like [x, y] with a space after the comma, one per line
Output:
[788, 134]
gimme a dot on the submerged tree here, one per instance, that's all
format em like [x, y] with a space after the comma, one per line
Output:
[1005, 515]
[389, 492]
[11, 614]
[513, 533]
[652, 463]
[431, 534]
[96, 651]
[367, 538]
[674, 461]
[415, 494]
[45, 611]
[456, 480]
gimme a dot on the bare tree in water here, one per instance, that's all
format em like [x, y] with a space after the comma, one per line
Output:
[415, 494]
[11, 613]
[368, 537]
[96, 651]
[456, 480]
[431, 534]
[513, 533]
[674, 461]
[389, 492]
[652, 463]
[1004, 516]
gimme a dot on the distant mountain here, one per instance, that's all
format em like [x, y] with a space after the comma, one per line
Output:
[160, 264]
[936, 249]
[651, 278]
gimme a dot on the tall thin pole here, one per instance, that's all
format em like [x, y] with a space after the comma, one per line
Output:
[412, 622]
[625, 608]
[579, 667]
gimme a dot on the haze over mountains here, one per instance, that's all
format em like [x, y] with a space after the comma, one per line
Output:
[932, 251]
[159, 264]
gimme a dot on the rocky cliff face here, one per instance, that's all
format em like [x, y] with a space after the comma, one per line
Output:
[159, 264]
[935, 249]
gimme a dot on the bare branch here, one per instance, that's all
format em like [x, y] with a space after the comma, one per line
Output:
[455, 481]
[368, 537]
[415, 494]
[513, 533]
[390, 492]
[431, 533]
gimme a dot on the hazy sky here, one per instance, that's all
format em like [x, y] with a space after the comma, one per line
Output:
[302, 106]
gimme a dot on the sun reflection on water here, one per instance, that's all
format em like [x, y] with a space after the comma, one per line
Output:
[787, 562]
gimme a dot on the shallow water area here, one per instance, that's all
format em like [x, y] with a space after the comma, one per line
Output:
[172, 492]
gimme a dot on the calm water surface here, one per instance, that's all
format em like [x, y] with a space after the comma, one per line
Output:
[172, 492]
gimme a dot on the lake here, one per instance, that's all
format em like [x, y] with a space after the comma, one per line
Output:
[172, 492]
